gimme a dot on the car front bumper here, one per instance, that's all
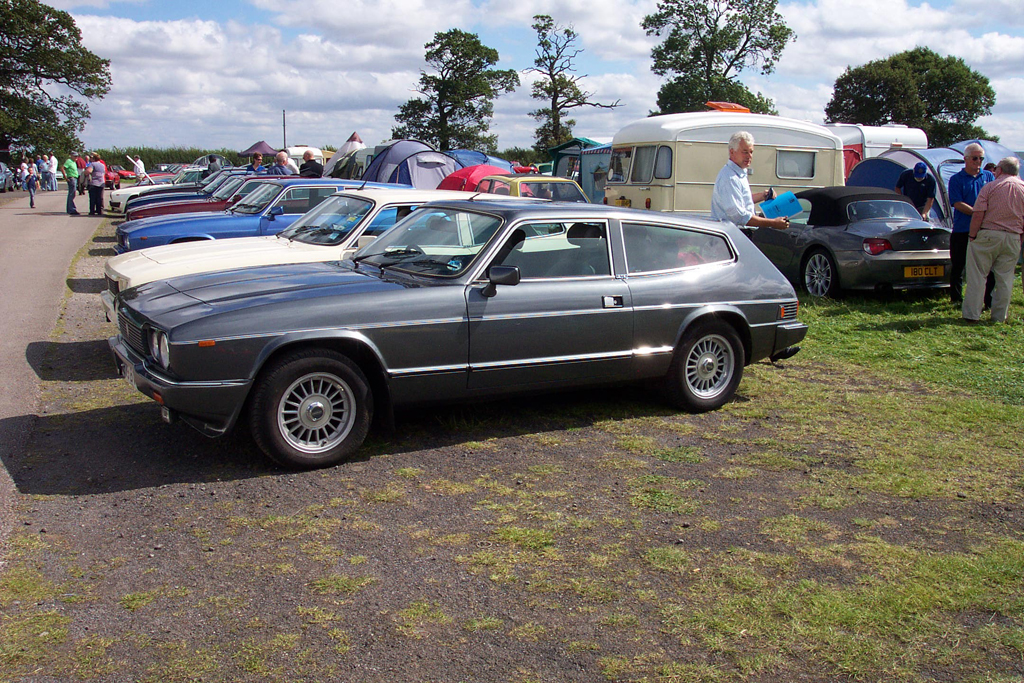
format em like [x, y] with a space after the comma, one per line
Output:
[210, 407]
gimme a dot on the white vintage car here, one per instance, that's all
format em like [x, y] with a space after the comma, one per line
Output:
[330, 232]
[118, 198]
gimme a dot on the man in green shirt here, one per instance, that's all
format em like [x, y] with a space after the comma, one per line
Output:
[71, 176]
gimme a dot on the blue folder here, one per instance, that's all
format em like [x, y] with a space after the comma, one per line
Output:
[786, 204]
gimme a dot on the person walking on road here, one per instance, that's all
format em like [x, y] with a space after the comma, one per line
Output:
[71, 177]
[97, 171]
[31, 184]
[997, 231]
[54, 167]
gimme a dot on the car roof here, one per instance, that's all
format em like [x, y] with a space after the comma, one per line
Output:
[527, 176]
[517, 207]
[828, 204]
[399, 194]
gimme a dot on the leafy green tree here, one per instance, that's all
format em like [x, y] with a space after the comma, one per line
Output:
[41, 52]
[459, 95]
[558, 86]
[919, 88]
[690, 92]
[708, 43]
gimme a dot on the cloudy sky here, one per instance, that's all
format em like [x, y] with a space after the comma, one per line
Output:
[219, 73]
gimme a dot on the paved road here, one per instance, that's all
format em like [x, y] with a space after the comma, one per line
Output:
[36, 248]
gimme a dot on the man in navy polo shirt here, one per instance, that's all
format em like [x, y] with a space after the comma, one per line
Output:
[963, 192]
[919, 187]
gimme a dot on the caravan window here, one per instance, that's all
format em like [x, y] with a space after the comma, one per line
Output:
[618, 166]
[663, 163]
[794, 164]
[643, 165]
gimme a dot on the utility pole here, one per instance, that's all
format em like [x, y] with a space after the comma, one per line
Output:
[284, 127]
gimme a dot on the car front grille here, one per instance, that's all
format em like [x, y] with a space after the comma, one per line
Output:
[788, 311]
[122, 240]
[131, 333]
[112, 285]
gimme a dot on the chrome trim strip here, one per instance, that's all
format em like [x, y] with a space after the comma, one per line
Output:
[428, 370]
[527, 362]
[704, 304]
[364, 326]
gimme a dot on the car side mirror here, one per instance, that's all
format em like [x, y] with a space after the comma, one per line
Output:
[275, 211]
[500, 275]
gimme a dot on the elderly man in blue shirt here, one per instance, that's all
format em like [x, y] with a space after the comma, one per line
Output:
[731, 199]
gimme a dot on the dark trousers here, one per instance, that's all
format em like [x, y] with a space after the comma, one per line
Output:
[96, 200]
[72, 188]
[958, 242]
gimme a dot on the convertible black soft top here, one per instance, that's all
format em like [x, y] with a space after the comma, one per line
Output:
[828, 204]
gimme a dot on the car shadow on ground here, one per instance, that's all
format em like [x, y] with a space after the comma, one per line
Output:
[127, 447]
[101, 239]
[91, 285]
[84, 361]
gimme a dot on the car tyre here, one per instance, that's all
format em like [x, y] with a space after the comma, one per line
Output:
[820, 275]
[707, 367]
[310, 409]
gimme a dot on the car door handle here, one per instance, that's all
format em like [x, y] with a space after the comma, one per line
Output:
[612, 301]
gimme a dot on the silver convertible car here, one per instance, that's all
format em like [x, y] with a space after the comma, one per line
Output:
[858, 238]
[461, 299]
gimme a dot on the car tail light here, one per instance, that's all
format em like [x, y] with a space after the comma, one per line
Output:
[604, 201]
[647, 203]
[876, 246]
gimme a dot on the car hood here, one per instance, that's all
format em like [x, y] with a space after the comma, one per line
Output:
[199, 217]
[175, 260]
[236, 298]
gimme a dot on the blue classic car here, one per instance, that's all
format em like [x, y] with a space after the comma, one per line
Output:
[460, 300]
[267, 210]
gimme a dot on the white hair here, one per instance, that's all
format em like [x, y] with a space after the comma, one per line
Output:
[1009, 165]
[738, 137]
[974, 146]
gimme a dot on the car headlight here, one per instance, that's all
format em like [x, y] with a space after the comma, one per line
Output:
[160, 348]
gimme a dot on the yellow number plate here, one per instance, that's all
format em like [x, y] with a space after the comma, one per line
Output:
[622, 201]
[924, 271]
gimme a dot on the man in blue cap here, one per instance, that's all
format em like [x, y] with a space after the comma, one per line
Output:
[919, 187]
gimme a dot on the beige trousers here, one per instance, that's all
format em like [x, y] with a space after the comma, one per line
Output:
[995, 251]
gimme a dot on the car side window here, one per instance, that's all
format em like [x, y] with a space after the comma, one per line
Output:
[499, 187]
[382, 221]
[805, 213]
[561, 250]
[652, 248]
[299, 200]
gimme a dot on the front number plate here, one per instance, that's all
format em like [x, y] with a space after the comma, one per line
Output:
[924, 271]
[129, 375]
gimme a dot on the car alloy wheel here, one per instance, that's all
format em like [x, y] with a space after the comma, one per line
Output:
[820, 277]
[311, 408]
[707, 367]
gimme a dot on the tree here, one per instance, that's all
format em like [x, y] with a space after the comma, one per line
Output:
[558, 87]
[919, 88]
[708, 43]
[459, 96]
[41, 53]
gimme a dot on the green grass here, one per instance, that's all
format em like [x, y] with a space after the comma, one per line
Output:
[920, 338]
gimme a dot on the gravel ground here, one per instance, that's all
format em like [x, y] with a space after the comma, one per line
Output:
[544, 539]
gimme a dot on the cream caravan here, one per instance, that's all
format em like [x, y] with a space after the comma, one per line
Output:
[669, 163]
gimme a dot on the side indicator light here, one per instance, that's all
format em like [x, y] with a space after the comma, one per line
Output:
[207, 342]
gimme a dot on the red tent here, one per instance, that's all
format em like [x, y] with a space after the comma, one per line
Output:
[468, 177]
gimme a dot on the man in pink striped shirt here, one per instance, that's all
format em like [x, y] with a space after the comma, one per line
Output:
[997, 230]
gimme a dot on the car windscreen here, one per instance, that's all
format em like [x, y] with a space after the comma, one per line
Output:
[258, 199]
[881, 209]
[228, 187]
[559, 192]
[434, 241]
[329, 223]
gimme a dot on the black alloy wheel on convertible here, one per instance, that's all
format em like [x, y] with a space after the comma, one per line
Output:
[311, 408]
[707, 367]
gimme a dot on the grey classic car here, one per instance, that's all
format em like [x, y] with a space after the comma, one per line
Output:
[461, 299]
